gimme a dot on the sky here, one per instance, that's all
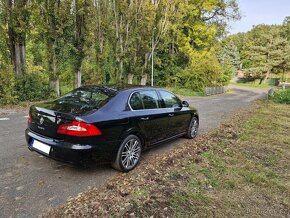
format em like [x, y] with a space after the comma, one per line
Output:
[256, 12]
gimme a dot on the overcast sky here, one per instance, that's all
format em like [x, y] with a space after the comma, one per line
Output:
[256, 12]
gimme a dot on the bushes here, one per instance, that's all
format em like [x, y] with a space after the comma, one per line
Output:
[30, 87]
[7, 85]
[281, 96]
[185, 91]
[203, 72]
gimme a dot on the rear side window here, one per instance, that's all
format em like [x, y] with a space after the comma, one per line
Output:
[136, 102]
[149, 99]
[170, 100]
[144, 100]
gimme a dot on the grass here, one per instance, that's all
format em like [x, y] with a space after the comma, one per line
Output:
[247, 178]
[241, 170]
[254, 85]
[23, 105]
[281, 96]
[185, 92]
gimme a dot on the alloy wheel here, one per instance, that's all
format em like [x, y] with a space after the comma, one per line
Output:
[131, 154]
[194, 128]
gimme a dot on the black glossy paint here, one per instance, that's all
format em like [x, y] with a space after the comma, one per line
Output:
[115, 119]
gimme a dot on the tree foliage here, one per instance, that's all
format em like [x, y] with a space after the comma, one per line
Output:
[63, 44]
[264, 50]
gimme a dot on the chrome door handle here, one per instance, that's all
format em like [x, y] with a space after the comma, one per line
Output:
[145, 118]
[171, 115]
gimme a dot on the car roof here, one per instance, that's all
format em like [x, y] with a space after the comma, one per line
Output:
[118, 87]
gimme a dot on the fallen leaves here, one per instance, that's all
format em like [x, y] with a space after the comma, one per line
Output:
[138, 192]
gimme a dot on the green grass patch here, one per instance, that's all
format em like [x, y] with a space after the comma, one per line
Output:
[254, 85]
[185, 91]
[252, 172]
[281, 96]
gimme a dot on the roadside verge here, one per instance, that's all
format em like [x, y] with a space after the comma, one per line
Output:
[237, 170]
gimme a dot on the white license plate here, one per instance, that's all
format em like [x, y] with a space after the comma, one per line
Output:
[41, 146]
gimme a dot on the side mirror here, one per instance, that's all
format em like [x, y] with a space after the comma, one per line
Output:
[185, 104]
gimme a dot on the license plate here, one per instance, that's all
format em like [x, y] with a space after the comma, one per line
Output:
[41, 146]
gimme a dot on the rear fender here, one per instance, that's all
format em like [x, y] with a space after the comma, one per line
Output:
[134, 131]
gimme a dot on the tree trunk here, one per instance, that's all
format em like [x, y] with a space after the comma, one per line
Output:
[130, 78]
[23, 55]
[54, 84]
[121, 51]
[144, 79]
[99, 38]
[17, 61]
[78, 76]
[52, 67]
[80, 27]
[267, 76]
[16, 40]
[144, 74]
[121, 70]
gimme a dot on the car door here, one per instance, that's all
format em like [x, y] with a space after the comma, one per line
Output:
[151, 119]
[179, 116]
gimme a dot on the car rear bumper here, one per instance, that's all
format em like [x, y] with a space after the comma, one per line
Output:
[70, 152]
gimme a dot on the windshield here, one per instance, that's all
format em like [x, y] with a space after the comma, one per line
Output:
[86, 98]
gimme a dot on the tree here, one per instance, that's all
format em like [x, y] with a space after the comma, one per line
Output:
[111, 41]
[286, 34]
[51, 13]
[267, 50]
[81, 14]
[230, 55]
[286, 28]
[47, 18]
[17, 15]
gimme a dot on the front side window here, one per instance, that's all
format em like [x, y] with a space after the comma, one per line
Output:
[144, 100]
[170, 100]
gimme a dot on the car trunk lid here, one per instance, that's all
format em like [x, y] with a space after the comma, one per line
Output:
[46, 117]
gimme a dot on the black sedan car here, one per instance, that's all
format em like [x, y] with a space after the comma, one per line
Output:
[111, 123]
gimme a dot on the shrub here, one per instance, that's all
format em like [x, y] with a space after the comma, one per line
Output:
[7, 86]
[281, 96]
[203, 72]
[31, 87]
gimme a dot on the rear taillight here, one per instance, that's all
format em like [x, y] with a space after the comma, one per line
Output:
[77, 128]
[29, 120]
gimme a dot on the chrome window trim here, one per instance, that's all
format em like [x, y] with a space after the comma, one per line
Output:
[128, 102]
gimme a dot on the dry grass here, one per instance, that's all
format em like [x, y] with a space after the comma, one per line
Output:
[245, 177]
[242, 169]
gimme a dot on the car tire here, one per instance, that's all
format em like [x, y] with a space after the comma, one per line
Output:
[129, 154]
[193, 128]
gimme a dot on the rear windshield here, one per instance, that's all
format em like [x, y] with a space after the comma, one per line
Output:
[87, 98]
